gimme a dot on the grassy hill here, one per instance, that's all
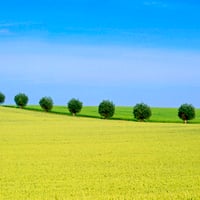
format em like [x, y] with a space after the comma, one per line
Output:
[125, 113]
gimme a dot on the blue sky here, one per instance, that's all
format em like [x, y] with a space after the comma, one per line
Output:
[126, 51]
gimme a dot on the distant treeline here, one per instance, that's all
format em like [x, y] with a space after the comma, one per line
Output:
[106, 109]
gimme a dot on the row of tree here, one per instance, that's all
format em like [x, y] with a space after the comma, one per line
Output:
[106, 108]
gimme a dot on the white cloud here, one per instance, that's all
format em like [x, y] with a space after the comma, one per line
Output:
[13, 28]
[42, 62]
[92, 73]
[16, 24]
[5, 31]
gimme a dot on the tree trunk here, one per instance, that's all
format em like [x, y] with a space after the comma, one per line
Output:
[185, 121]
[141, 120]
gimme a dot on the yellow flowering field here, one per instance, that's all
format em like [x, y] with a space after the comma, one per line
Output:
[46, 156]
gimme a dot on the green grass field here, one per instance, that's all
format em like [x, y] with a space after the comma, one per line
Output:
[126, 113]
[56, 157]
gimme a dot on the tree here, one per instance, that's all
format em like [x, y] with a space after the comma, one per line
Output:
[2, 98]
[21, 100]
[74, 106]
[106, 109]
[141, 111]
[46, 103]
[186, 112]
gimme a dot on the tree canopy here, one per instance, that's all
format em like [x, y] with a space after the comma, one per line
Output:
[46, 103]
[74, 106]
[2, 98]
[106, 109]
[186, 112]
[141, 111]
[21, 100]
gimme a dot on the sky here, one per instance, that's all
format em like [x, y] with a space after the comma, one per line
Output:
[124, 51]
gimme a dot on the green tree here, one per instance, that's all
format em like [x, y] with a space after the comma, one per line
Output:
[74, 106]
[141, 111]
[21, 100]
[106, 109]
[186, 112]
[46, 103]
[2, 98]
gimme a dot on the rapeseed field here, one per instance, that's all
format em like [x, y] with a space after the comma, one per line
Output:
[44, 156]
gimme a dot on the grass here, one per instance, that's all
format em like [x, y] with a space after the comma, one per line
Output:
[165, 115]
[57, 157]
